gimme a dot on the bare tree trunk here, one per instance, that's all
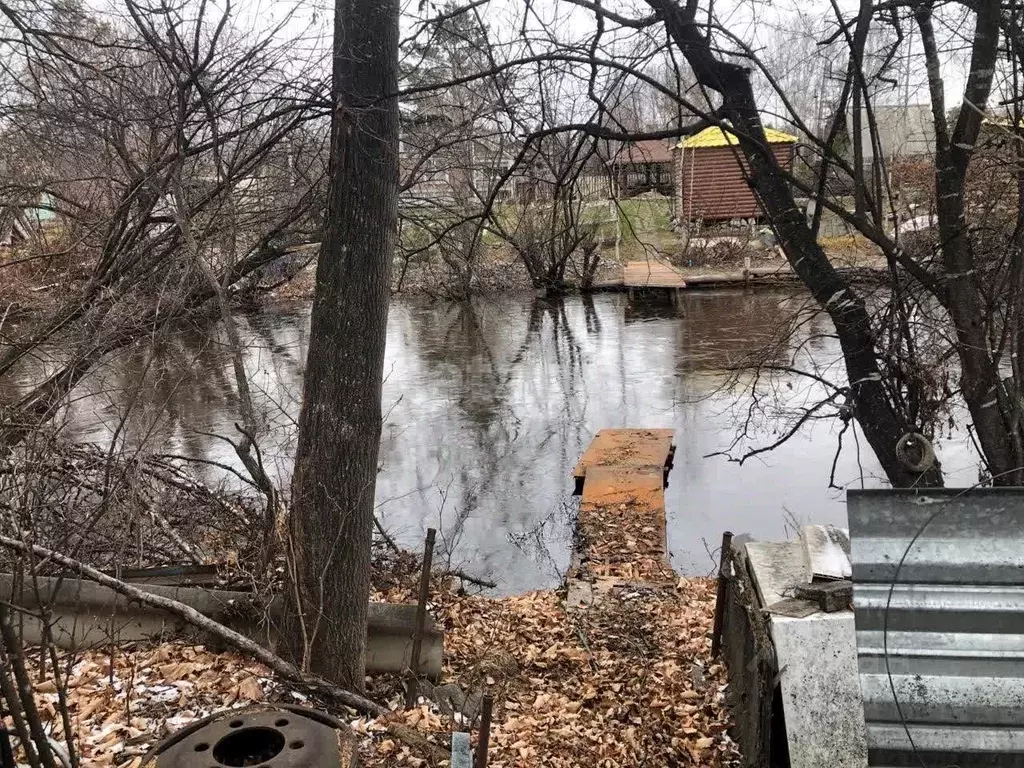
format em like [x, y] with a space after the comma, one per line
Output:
[883, 424]
[980, 379]
[331, 522]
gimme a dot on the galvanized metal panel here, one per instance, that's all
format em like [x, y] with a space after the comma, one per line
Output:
[940, 643]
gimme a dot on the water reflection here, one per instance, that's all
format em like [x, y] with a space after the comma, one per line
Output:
[488, 405]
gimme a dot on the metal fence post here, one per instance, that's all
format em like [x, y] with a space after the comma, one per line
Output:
[421, 617]
[723, 570]
[484, 742]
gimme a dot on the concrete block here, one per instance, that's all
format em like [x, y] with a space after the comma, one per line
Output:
[85, 614]
[462, 757]
[830, 596]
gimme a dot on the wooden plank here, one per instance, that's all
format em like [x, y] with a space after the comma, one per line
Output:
[627, 449]
[652, 274]
[615, 486]
[621, 524]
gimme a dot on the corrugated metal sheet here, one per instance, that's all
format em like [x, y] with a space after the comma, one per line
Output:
[716, 137]
[713, 183]
[948, 637]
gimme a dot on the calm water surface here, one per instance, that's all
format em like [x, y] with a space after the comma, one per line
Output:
[489, 405]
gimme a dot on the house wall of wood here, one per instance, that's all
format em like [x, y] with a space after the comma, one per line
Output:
[713, 183]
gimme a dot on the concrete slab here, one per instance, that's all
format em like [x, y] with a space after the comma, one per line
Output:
[826, 552]
[794, 607]
[85, 614]
[777, 568]
[817, 658]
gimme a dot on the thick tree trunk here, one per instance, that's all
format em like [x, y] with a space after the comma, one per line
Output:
[882, 423]
[331, 519]
[980, 379]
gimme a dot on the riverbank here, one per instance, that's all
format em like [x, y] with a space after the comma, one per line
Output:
[30, 290]
[500, 271]
[622, 679]
[637, 687]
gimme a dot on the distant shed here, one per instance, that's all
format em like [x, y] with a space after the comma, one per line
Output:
[644, 166]
[713, 175]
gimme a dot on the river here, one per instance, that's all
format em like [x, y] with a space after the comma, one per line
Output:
[488, 405]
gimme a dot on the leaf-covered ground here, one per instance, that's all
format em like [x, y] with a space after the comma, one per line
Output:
[627, 681]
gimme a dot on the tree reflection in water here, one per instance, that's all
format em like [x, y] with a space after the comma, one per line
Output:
[489, 403]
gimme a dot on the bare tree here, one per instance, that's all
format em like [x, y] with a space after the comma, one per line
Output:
[136, 125]
[331, 521]
[950, 311]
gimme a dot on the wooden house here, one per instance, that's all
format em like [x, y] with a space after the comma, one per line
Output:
[712, 175]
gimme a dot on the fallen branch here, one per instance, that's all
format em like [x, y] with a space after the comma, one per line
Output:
[384, 535]
[168, 529]
[238, 641]
[472, 579]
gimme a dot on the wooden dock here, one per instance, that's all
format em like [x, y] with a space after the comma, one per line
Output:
[652, 273]
[621, 527]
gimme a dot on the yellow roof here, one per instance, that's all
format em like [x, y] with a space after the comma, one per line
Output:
[717, 137]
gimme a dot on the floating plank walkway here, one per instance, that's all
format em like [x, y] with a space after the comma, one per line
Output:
[621, 527]
[652, 273]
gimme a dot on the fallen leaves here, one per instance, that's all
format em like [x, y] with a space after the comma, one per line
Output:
[123, 700]
[627, 682]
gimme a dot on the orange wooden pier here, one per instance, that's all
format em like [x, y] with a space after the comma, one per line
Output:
[621, 528]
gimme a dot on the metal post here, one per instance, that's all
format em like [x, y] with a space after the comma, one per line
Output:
[484, 742]
[421, 617]
[618, 233]
[723, 565]
[6, 753]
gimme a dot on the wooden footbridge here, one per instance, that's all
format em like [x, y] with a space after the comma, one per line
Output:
[621, 528]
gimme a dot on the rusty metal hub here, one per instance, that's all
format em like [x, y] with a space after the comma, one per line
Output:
[258, 737]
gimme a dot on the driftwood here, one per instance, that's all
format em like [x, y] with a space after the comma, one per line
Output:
[471, 579]
[236, 640]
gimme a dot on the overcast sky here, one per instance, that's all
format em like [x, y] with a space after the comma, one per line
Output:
[782, 32]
